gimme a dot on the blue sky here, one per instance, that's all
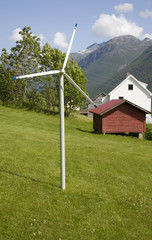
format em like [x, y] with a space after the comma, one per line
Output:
[54, 20]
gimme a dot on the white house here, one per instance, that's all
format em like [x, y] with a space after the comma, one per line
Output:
[98, 100]
[132, 90]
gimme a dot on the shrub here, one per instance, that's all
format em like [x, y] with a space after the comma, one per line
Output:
[36, 101]
[148, 133]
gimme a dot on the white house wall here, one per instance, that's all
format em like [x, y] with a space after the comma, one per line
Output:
[106, 99]
[138, 95]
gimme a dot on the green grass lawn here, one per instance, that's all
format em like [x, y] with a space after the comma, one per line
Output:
[108, 181]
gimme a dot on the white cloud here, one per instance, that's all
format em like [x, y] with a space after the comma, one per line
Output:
[60, 40]
[146, 13]
[41, 37]
[147, 35]
[15, 35]
[113, 26]
[124, 8]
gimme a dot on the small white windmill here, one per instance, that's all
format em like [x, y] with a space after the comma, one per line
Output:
[62, 73]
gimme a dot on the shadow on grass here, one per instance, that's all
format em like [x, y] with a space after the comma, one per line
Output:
[49, 112]
[135, 135]
[28, 178]
[86, 131]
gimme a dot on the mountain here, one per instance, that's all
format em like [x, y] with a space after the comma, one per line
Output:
[140, 68]
[82, 54]
[101, 62]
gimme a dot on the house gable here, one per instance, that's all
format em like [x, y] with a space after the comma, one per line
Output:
[134, 91]
[99, 97]
[132, 79]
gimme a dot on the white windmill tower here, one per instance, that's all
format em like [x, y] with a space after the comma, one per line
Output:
[62, 73]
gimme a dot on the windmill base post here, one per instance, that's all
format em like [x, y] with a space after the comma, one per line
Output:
[62, 133]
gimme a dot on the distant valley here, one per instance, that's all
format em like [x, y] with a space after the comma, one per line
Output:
[106, 64]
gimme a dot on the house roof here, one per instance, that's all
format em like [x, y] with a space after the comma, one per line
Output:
[84, 111]
[143, 85]
[101, 93]
[108, 106]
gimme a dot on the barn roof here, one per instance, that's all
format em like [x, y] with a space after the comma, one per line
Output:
[108, 106]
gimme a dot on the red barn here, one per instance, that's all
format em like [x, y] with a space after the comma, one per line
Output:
[119, 116]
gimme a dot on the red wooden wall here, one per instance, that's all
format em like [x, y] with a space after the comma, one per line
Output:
[124, 118]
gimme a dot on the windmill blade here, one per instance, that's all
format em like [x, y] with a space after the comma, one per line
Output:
[69, 48]
[79, 89]
[38, 74]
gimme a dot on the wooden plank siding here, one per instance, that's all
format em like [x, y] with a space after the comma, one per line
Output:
[97, 122]
[124, 118]
[119, 116]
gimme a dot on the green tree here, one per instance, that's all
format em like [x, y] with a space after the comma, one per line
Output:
[73, 98]
[6, 87]
[9, 88]
[51, 59]
[41, 92]
[36, 101]
[24, 59]
[5, 59]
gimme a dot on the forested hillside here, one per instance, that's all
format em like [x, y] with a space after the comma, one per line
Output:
[101, 62]
[141, 68]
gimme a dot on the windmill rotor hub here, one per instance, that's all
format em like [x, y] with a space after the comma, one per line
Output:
[62, 71]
